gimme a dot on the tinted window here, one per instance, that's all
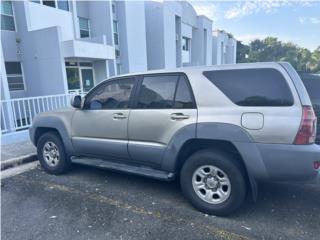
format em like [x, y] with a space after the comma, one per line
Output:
[157, 91]
[112, 95]
[183, 95]
[252, 87]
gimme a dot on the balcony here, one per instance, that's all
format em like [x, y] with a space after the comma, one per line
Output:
[94, 48]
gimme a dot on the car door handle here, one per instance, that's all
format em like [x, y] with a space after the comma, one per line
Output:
[119, 116]
[179, 116]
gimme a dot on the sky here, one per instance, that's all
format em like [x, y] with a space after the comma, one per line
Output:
[288, 20]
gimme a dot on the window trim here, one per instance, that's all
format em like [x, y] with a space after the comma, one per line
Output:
[132, 94]
[14, 19]
[179, 74]
[17, 75]
[253, 68]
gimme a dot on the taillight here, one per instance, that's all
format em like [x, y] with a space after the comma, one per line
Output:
[307, 129]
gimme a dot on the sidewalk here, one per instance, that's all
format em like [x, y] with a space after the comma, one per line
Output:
[17, 150]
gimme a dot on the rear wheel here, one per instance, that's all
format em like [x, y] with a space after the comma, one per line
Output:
[214, 182]
[51, 154]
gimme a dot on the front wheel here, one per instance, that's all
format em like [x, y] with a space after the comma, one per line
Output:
[213, 182]
[51, 154]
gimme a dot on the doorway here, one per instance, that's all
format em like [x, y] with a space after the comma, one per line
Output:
[80, 76]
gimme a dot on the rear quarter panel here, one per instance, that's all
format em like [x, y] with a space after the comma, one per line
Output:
[280, 123]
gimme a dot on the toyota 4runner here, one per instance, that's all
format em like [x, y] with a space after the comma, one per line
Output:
[220, 129]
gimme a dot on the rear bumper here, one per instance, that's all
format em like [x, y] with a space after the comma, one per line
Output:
[291, 162]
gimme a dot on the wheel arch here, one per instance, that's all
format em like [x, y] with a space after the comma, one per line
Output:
[52, 124]
[228, 137]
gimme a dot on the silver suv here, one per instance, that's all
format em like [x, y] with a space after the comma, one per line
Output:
[220, 129]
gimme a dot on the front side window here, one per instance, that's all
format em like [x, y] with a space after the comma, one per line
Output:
[7, 17]
[14, 76]
[112, 95]
[84, 27]
[252, 87]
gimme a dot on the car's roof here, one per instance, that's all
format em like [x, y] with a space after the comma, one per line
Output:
[204, 68]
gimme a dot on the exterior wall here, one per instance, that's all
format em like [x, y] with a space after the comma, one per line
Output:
[202, 42]
[43, 66]
[224, 48]
[132, 32]
[166, 25]
[40, 17]
[155, 35]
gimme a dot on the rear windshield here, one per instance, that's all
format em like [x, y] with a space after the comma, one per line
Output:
[252, 87]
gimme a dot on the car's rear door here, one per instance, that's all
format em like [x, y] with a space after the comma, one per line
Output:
[164, 104]
[100, 129]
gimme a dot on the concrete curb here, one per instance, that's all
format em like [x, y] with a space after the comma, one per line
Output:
[18, 161]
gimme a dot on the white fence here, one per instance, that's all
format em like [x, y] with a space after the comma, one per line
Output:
[17, 114]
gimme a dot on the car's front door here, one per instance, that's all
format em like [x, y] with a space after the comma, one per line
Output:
[100, 128]
[164, 104]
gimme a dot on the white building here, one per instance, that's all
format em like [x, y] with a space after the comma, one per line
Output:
[176, 36]
[52, 47]
[224, 49]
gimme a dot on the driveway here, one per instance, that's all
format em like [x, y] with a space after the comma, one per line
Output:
[89, 203]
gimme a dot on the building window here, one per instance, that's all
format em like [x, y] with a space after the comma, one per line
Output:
[49, 3]
[185, 44]
[7, 17]
[115, 32]
[118, 68]
[84, 27]
[63, 5]
[113, 8]
[14, 76]
[117, 53]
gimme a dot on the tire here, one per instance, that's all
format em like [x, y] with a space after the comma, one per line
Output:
[51, 154]
[214, 182]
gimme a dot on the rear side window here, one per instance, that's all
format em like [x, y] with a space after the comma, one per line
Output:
[184, 97]
[157, 91]
[252, 87]
[165, 92]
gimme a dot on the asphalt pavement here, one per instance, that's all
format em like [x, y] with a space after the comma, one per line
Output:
[89, 203]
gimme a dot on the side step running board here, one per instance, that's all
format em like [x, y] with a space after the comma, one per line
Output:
[142, 171]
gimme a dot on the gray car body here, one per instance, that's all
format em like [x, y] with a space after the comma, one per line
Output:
[151, 138]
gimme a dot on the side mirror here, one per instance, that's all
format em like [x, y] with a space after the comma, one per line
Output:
[76, 101]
